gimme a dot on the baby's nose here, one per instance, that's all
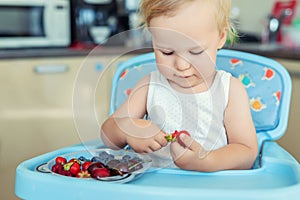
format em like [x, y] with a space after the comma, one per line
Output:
[181, 63]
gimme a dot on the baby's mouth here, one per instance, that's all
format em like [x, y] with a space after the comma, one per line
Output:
[183, 76]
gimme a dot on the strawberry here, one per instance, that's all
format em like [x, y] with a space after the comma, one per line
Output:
[75, 168]
[175, 134]
[169, 138]
[86, 165]
[75, 160]
[173, 137]
[83, 174]
[60, 160]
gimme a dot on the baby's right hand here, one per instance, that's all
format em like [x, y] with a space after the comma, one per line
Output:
[147, 144]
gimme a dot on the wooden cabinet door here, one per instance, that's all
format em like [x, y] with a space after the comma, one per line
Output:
[36, 107]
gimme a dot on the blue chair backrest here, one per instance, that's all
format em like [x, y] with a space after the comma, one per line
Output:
[267, 82]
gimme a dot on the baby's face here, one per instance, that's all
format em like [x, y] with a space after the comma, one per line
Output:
[186, 44]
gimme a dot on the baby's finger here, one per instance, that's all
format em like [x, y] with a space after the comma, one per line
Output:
[155, 146]
[161, 140]
[188, 142]
[177, 150]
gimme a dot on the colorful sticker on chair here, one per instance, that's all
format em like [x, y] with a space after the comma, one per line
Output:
[268, 74]
[235, 62]
[257, 105]
[127, 92]
[123, 74]
[277, 96]
[245, 79]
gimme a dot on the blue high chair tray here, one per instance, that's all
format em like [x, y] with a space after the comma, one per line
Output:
[275, 174]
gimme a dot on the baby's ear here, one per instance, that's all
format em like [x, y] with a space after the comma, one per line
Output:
[222, 38]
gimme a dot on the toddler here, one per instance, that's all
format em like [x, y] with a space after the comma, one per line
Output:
[187, 93]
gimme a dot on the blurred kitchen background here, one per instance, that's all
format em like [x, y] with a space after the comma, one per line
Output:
[43, 44]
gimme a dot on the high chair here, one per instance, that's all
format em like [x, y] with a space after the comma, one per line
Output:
[275, 174]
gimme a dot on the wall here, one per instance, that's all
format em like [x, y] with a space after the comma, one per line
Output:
[253, 13]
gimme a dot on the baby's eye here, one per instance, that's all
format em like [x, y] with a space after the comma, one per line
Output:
[167, 53]
[196, 52]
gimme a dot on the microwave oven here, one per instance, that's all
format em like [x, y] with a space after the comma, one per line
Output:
[34, 23]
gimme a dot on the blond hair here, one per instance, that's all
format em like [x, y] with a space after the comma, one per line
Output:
[150, 9]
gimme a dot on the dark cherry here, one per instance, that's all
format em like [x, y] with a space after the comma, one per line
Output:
[94, 166]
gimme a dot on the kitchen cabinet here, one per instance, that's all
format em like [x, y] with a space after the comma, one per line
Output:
[290, 140]
[36, 107]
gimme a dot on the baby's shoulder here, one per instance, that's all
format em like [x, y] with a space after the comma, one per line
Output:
[143, 83]
[236, 84]
[236, 89]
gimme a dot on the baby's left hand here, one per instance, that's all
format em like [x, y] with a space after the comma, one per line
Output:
[186, 152]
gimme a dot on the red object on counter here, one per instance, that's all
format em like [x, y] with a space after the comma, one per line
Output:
[278, 11]
[280, 6]
[82, 46]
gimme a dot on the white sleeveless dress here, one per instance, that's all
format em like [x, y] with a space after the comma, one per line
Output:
[201, 114]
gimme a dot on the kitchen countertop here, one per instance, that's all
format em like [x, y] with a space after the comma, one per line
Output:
[268, 50]
[272, 51]
[65, 52]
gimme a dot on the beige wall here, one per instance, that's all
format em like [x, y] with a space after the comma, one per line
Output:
[253, 13]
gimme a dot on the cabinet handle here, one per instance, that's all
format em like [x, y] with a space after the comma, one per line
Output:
[50, 69]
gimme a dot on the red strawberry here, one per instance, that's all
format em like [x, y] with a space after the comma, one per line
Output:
[100, 172]
[75, 160]
[173, 137]
[175, 134]
[86, 165]
[60, 160]
[75, 168]
[83, 174]
[169, 138]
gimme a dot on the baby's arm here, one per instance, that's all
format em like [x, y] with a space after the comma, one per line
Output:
[127, 126]
[242, 148]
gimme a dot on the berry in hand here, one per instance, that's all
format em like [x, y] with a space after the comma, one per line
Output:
[174, 136]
